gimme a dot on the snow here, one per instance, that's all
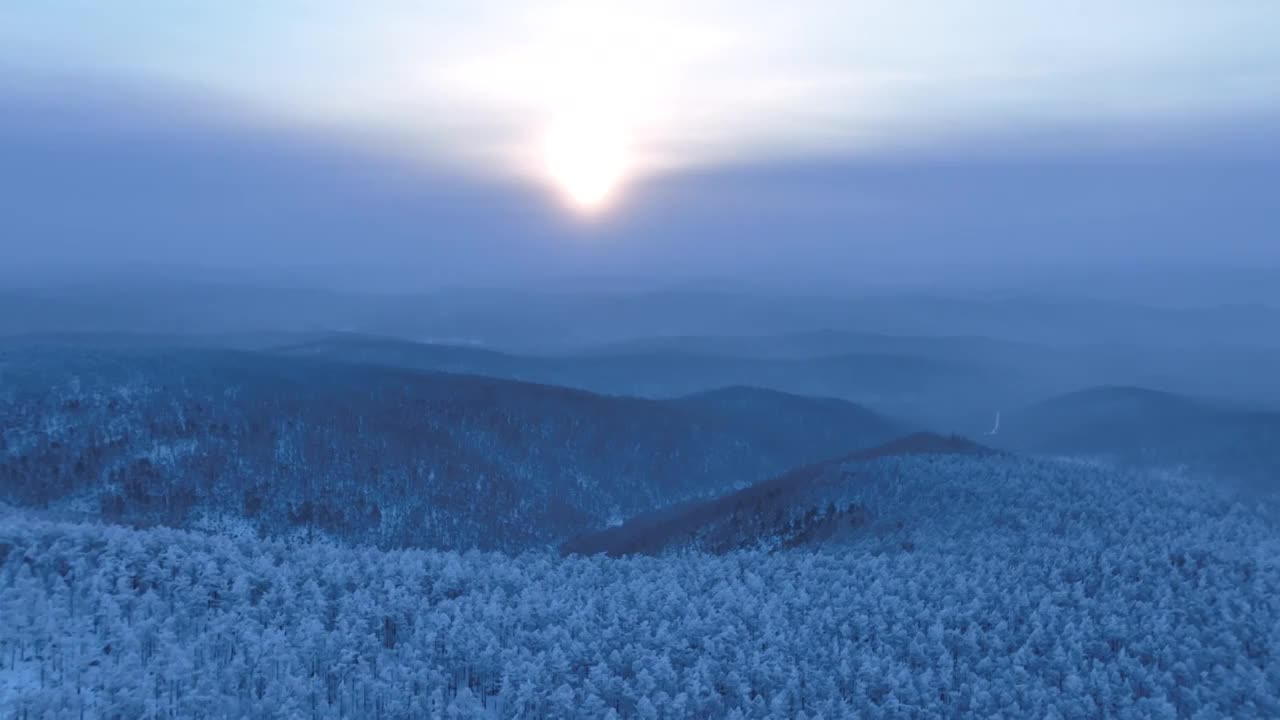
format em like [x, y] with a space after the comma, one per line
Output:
[1115, 595]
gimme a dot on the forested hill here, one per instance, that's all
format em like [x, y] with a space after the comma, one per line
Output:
[378, 454]
[805, 504]
[781, 423]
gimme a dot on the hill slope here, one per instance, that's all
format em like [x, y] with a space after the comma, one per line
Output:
[377, 454]
[793, 508]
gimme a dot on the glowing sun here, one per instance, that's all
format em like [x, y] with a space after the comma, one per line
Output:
[586, 156]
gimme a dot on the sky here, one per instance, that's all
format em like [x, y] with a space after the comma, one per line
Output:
[492, 142]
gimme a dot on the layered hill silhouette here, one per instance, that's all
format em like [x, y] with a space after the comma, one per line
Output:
[943, 381]
[901, 377]
[797, 507]
[1146, 426]
[376, 453]
[825, 343]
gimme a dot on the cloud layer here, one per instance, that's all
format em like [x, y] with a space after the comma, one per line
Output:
[696, 84]
[112, 178]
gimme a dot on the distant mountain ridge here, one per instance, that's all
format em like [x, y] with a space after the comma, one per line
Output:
[895, 382]
[813, 343]
[563, 321]
[947, 382]
[1150, 426]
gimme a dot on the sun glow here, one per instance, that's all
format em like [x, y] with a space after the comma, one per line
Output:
[587, 157]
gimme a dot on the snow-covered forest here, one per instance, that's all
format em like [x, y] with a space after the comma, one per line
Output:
[379, 455]
[1031, 589]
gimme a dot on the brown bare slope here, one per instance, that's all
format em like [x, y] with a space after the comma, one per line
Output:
[652, 533]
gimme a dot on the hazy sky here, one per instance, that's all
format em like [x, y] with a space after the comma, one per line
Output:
[729, 137]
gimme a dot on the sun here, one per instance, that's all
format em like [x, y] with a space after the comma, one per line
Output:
[587, 158]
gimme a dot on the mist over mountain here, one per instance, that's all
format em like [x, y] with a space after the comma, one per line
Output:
[1146, 427]
[575, 320]
[948, 382]
[165, 177]
[640, 360]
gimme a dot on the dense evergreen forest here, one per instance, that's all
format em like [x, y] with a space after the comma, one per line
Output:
[1028, 589]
